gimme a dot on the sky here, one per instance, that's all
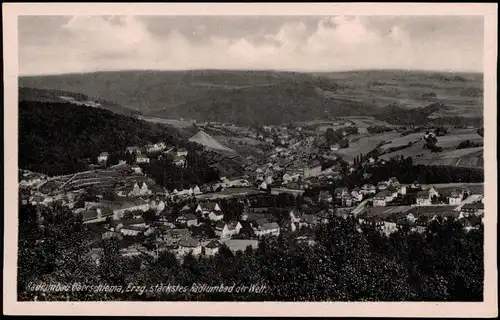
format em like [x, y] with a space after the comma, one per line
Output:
[69, 44]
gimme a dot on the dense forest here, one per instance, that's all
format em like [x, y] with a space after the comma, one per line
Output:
[197, 171]
[56, 138]
[420, 116]
[442, 264]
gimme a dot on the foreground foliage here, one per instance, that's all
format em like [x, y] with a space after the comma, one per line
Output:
[442, 264]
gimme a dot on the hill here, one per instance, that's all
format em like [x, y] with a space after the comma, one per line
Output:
[272, 97]
[206, 140]
[56, 138]
[52, 95]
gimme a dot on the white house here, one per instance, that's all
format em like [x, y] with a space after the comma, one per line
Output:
[181, 152]
[212, 248]
[188, 219]
[381, 198]
[226, 230]
[132, 230]
[180, 161]
[140, 191]
[119, 209]
[368, 189]
[423, 198]
[189, 245]
[455, 198]
[207, 208]
[103, 157]
[142, 158]
[271, 228]
[136, 169]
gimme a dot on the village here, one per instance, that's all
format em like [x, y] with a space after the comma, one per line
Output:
[121, 201]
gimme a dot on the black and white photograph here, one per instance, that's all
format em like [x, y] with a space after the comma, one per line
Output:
[252, 157]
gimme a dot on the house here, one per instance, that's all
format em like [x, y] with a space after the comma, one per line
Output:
[157, 147]
[288, 225]
[140, 158]
[212, 248]
[293, 189]
[382, 185]
[423, 198]
[334, 147]
[393, 181]
[455, 198]
[180, 161]
[196, 190]
[308, 220]
[347, 200]
[393, 191]
[433, 192]
[323, 217]
[136, 169]
[207, 208]
[235, 182]
[181, 152]
[103, 157]
[356, 194]
[268, 228]
[134, 149]
[96, 215]
[132, 230]
[263, 185]
[295, 216]
[340, 192]
[226, 230]
[139, 191]
[188, 219]
[312, 170]
[368, 189]
[381, 198]
[401, 189]
[470, 209]
[216, 215]
[189, 245]
[119, 208]
[325, 196]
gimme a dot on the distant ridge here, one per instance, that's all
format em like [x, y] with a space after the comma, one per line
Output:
[206, 140]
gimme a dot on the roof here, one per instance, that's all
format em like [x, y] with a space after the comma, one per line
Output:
[423, 194]
[213, 244]
[382, 194]
[126, 222]
[189, 243]
[188, 216]
[208, 205]
[262, 222]
[473, 206]
[270, 226]
[309, 218]
[89, 214]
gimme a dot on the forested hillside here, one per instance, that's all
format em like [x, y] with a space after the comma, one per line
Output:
[56, 138]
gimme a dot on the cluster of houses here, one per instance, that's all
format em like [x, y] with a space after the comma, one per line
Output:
[418, 218]
[142, 154]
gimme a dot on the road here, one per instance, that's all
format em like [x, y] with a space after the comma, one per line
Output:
[360, 207]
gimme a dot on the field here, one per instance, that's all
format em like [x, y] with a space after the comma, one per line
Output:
[172, 122]
[470, 157]
[269, 97]
[229, 193]
[464, 92]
